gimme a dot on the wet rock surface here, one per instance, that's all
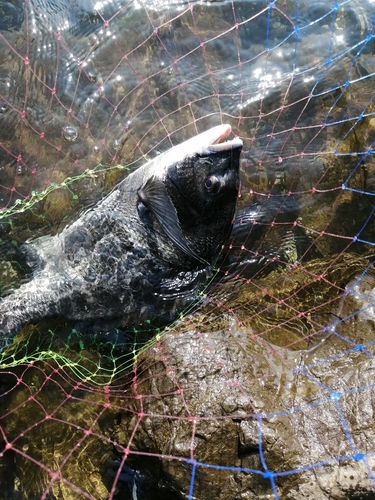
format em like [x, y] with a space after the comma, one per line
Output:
[211, 407]
[256, 419]
[289, 442]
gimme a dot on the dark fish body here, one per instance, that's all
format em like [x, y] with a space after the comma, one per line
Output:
[144, 250]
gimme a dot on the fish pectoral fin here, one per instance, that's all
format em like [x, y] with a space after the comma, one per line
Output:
[154, 195]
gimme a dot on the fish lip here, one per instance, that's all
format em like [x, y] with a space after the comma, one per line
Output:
[223, 132]
[210, 142]
[216, 141]
[235, 143]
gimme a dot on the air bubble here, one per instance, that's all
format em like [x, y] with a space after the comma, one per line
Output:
[3, 107]
[70, 133]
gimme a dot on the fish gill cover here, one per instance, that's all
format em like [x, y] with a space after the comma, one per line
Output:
[264, 386]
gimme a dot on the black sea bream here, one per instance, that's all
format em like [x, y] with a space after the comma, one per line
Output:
[143, 251]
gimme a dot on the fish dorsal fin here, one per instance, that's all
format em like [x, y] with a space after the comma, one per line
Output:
[154, 195]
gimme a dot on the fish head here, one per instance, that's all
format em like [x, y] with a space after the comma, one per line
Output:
[194, 197]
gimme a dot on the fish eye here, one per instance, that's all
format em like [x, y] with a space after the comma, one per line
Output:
[212, 184]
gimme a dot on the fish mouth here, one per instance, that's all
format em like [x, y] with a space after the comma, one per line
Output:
[216, 140]
[212, 141]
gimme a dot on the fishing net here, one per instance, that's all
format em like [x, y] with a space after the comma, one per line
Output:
[264, 387]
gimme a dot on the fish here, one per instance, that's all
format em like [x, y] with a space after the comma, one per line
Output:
[141, 253]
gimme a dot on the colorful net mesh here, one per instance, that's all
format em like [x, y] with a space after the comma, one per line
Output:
[264, 388]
